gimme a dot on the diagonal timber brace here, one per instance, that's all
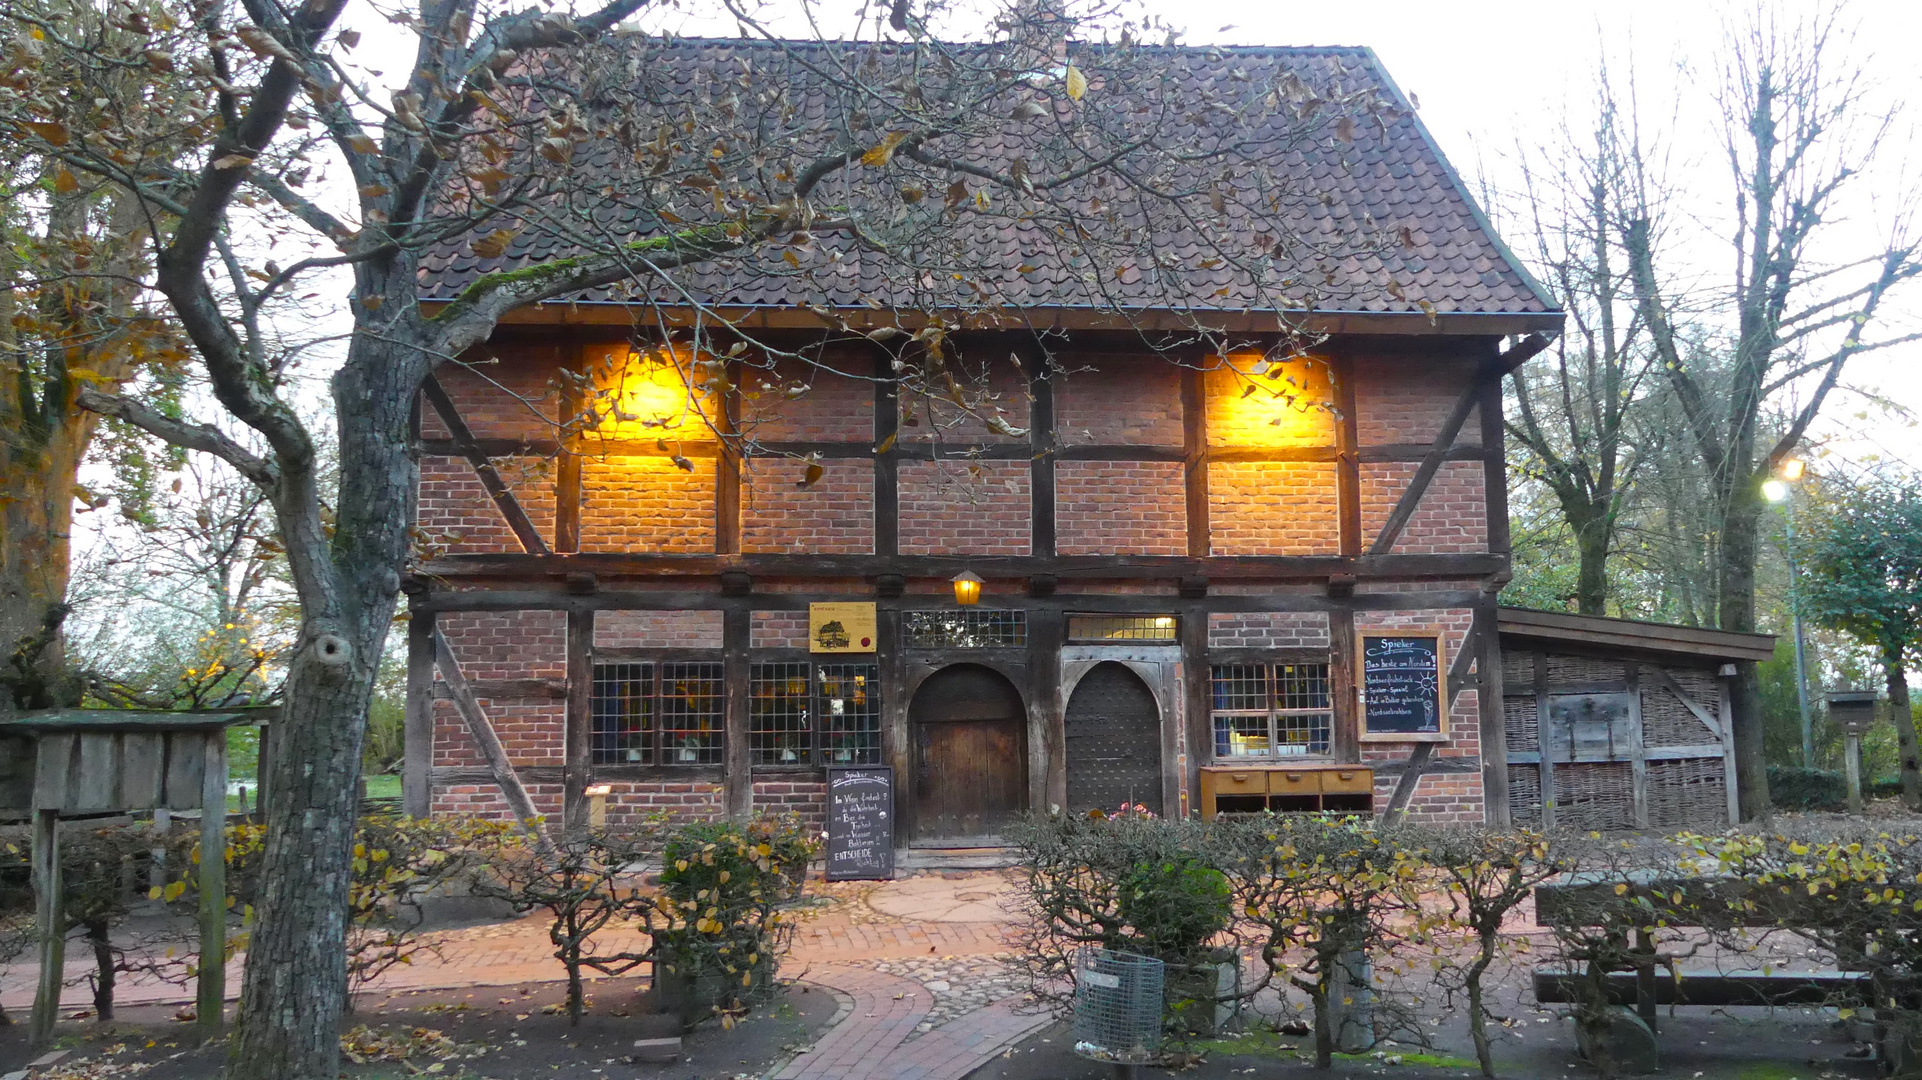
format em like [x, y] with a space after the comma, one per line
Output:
[490, 477]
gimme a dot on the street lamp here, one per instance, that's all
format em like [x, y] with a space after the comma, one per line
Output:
[1776, 489]
[967, 588]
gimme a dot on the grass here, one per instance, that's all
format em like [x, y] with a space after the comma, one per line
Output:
[381, 786]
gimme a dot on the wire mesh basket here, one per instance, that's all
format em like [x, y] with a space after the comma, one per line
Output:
[1117, 1006]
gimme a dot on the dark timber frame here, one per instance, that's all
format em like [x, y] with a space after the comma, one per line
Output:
[561, 577]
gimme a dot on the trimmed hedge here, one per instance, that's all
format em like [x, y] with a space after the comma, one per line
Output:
[1796, 788]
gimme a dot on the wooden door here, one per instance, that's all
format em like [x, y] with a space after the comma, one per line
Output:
[970, 757]
[1113, 730]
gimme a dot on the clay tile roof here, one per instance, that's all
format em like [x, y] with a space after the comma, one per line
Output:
[1390, 180]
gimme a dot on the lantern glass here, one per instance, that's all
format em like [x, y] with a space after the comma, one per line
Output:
[967, 588]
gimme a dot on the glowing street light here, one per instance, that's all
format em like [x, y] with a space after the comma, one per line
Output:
[967, 588]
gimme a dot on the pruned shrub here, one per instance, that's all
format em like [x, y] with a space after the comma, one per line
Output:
[1796, 788]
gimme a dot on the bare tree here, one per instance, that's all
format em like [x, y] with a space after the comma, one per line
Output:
[1800, 126]
[554, 158]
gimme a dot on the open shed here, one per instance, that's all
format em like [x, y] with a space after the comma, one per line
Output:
[1620, 724]
[81, 763]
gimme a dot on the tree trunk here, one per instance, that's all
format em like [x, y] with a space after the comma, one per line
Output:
[1904, 721]
[1735, 588]
[1490, 944]
[1592, 537]
[296, 978]
[99, 938]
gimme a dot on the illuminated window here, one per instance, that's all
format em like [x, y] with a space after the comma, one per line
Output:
[970, 628]
[803, 714]
[1271, 710]
[1087, 628]
[657, 714]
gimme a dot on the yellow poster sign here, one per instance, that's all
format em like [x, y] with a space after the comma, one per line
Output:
[841, 628]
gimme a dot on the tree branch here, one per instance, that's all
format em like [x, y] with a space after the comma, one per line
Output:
[202, 437]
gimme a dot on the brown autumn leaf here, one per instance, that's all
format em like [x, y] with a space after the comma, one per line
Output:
[1345, 129]
[557, 149]
[811, 474]
[64, 182]
[361, 144]
[912, 193]
[1026, 111]
[232, 161]
[887, 444]
[683, 464]
[879, 155]
[54, 132]
[957, 194]
[493, 245]
[1077, 83]
[348, 38]
[159, 61]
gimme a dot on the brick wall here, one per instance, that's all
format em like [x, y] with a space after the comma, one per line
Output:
[486, 801]
[1451, 517]
[778, 630]
[1002, 392]
[1464, 720]
[657, 630]
[1268, 630]
[513, 398]
[1440, 798]
[804, 798]
[1120, 508]
[647, 504]
[833, 408]
[1406, 401]
[1300, 416]
[497, 646]
[964, 508]
[457, 516]
[631, 801]
[1118, 401]
[832, 516]
[1273, 508]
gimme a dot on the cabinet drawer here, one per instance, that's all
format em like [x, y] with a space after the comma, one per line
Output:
[1294, 782]
[1238, 781]
[1348, 781]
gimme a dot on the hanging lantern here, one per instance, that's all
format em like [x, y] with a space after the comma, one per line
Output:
[967, 588]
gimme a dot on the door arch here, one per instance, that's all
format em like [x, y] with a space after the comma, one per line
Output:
[1113, 729]
[970, 757]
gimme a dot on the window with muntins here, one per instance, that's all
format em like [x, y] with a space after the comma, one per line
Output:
[1100, 628]
[967, 628]
[808, 714]
[1271, 710]
[657, 713]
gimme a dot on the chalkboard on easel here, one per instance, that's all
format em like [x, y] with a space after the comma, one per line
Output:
[1404, 696]
[860, 823]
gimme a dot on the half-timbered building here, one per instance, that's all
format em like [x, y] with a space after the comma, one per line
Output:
[1180, 578]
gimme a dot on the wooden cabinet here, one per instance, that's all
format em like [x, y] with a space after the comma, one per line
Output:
[1248, 789]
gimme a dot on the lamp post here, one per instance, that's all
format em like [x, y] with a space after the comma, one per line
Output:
[1777, 489]
[1854, 712]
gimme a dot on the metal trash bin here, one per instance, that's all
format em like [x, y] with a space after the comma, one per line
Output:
[1117, 1006]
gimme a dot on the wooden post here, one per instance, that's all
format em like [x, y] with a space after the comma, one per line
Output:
[578, 723]
[567, 472]
[1047, 738]
[1345, 740]
[727, 466]
[1043, 441]
[887, 461]
[739, 776]
[1490, 710]
[1545, 741]
[417, 723]
[1347, 460]
[50, 924]
[1852, 767]
[1197, 688]
[213, 884]
[1637, 747]
[1194, 454]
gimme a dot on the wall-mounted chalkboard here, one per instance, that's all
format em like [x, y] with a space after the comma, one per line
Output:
[1404, 696]
[860, 823]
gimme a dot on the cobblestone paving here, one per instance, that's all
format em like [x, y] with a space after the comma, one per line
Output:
[958, 984]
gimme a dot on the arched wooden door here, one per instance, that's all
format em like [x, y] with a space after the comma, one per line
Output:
[970, 756]
[1113, 730]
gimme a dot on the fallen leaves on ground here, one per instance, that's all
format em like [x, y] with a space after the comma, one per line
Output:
[364, 1044]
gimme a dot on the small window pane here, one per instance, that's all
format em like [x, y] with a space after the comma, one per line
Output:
[1280, 710]
[690, 714]
[850, 710]
[971, 628]
[1241, 686]
[623, 712]
[1121, 627]
[778, 696]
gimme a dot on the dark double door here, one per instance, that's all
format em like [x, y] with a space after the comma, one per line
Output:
[1113, 730]
[970, 767]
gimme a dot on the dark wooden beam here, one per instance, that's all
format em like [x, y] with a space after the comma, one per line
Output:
[578, 722]
[1347, 460]
[417, 722]
[928, 451]
[1042, 448]
[738, 788]
[1194, 445]
[510, 507]
[887, 463]
[727, 468]
[1119, 603]
[1197, 689]
[766, 567]
[1495, 468]
[486, 739]
[1345, 741]
[1418, 486]
[567, 471]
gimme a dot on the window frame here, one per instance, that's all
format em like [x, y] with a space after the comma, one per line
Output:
[819, 736]
[1274, 712]
[657, 752]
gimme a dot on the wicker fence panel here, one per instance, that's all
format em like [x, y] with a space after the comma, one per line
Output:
[1594, 796]
[1568, 671]
[1518, 668]
[1666, 721]
[1700, 684]
[1688, 794]
[1520, 722]
[1525, 795]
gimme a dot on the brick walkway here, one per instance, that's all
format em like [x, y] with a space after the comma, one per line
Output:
[875, 1041]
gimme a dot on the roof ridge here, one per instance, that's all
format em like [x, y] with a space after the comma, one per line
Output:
[789, 43]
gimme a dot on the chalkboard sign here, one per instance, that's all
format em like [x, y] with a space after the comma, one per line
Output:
[860, 823]
[1403, 693]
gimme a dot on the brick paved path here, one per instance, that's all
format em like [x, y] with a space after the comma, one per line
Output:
[877, 1041]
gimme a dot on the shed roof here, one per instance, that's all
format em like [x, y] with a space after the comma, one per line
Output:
[1443, 265]
[1596, 630]
[107, 721]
